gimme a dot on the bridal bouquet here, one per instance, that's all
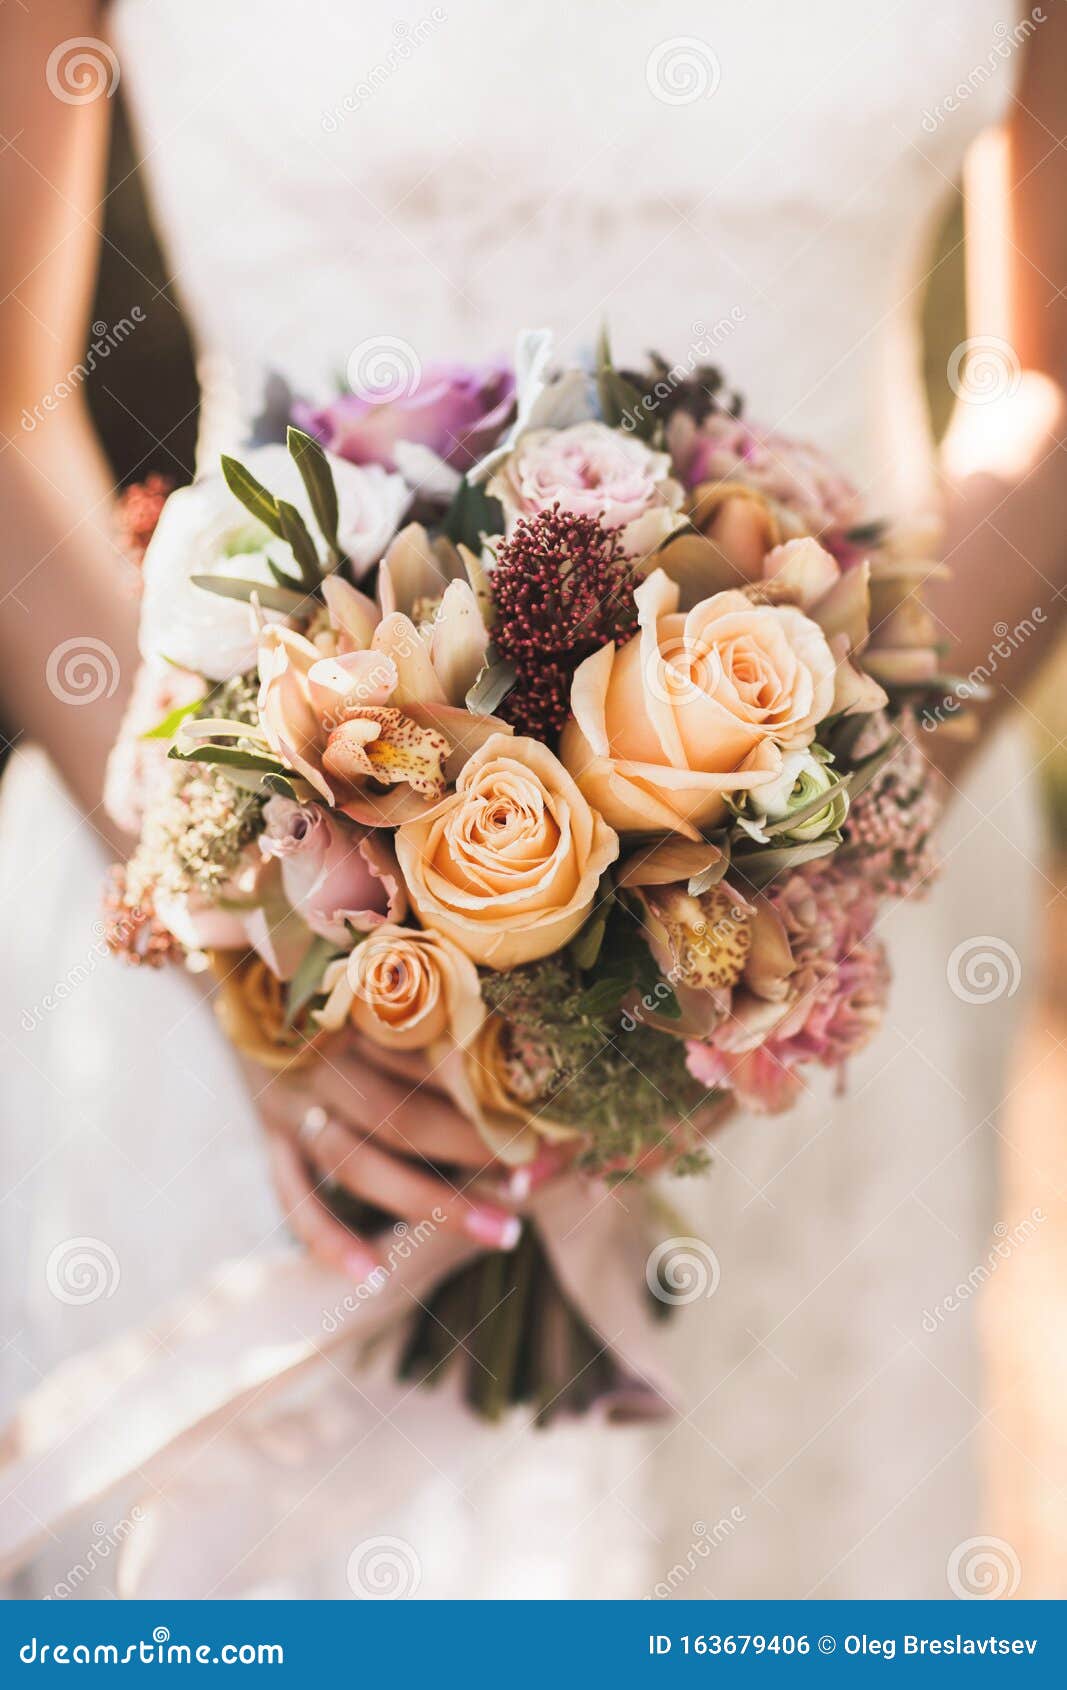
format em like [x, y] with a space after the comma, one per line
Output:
[560, 729]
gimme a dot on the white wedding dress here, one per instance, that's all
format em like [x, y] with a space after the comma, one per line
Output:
[323, 176]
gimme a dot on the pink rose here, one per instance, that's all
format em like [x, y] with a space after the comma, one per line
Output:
[458, 412]
[331, 871]
[591, 470]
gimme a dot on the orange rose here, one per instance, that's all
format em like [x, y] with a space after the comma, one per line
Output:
[404, 990]
[698, 706]
[508, 865]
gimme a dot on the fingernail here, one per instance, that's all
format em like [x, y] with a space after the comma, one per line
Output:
[494, 1227]
[359, 1264]
[531, 1174]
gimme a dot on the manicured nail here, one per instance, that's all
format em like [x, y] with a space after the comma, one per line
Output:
[531, 1174]
[359, 1265]
[494, 1227]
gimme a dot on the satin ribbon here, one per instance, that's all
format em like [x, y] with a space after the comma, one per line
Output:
[145, 1404]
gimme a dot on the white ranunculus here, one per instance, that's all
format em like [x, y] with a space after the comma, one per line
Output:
[205, 530]
[805, 776]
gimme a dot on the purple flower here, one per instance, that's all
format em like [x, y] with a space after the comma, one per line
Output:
[456, 410]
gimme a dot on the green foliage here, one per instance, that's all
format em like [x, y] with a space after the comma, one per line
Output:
[612, 1075]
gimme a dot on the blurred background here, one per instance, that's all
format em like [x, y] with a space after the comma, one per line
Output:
[144, 403]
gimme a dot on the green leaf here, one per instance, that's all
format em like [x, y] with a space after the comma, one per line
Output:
[471, 514]
[867, 533]
[308, 977]
[271, 598]
[317, 476]
[252, 494]
[295, 533]
[604, 997]
[759, 868]
[619, 399]
[865, 772]
[283, 578]
[585, 946]
[280, 785]
[168, 727]
[491, 688]
[228, 756]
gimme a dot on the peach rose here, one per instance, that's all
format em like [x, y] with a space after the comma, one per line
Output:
[698, 706]
[405, 990]
[508, 865]
[250, 1006]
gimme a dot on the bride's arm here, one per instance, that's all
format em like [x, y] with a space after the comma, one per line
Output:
[60, 582]
[1005, 459]
[59, 575]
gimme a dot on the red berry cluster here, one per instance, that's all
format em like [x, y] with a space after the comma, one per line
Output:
[562, 587]
[137, 511]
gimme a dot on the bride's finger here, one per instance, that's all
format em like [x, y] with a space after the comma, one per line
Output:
[406, 1190]
[408, 1065]
[418, 1122]
[329, 1241]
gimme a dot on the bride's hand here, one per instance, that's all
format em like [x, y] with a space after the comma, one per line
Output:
[350, 1123]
